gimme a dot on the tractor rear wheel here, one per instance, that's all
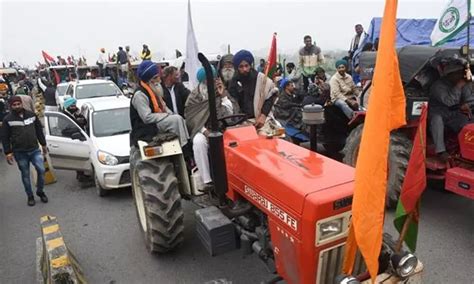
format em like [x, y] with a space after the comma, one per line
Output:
[399, 154]
[158, 202]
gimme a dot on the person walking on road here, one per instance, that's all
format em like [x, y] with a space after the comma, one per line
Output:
[21, 133]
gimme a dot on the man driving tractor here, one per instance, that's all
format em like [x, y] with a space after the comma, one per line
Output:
[449, 103]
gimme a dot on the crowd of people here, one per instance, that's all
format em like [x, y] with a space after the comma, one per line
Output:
[162, 103]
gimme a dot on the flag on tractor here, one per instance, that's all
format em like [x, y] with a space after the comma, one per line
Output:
[413, 186]
[387, 112]
[47, 58]
[192, 63]
[454, 18]
[271, 65]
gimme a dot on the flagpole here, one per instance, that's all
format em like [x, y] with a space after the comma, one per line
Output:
[468, 30]
[404, 232]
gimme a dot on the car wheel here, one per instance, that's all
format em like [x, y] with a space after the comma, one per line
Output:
[99, 189]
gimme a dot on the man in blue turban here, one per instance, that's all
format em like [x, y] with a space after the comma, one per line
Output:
[254, 92]
[148, 112]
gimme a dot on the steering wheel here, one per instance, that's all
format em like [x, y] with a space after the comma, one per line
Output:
[236, 119]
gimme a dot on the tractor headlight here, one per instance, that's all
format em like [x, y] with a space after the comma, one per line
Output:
[330, 228]
[404, 264]
[106, 158]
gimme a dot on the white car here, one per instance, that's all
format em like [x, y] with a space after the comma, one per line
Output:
[60, 92]
[101, 149]
[89, 90]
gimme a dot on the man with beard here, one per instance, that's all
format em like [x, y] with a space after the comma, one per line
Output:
[21, 133]
[197, 119]
[319, 92]
[72, 111]
[254, 92]
[343, 90]
[226, 69]
[291, 72]
[288, 106]
[175, 93]
[148, 112]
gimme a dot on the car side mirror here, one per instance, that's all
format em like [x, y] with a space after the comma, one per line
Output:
[78, 136]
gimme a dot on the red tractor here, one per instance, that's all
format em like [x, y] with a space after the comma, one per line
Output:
[288, 205]
[420, 67]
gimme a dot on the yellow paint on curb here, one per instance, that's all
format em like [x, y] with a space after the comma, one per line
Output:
[50, 229]
[54, 243]
[60, 261]
[47, 218]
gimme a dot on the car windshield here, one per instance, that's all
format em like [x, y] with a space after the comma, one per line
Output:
[61, 90]
[97, 90]
[111, 122]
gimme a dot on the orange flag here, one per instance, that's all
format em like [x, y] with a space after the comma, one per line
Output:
[386, 113]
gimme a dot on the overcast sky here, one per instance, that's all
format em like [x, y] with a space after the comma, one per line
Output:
[83, 27]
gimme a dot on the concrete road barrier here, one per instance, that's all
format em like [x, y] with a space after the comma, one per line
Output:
[55, 262]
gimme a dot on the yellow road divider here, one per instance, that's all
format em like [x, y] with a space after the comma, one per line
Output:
[55, 262]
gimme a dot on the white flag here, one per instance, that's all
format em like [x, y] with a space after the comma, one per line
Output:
[192, 63]
[453, 19]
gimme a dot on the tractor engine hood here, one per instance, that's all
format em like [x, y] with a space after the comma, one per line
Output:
[466, 142]
[279, 170]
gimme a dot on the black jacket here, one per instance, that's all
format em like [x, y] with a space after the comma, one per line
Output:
[22, 133]
[50, 96]
[122, 57]
[181, 93]
[141, 130]
[242, 89]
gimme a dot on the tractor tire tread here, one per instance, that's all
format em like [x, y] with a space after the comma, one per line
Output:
[162, 202]
[399, 155]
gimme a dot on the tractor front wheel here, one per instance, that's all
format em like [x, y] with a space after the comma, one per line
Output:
[158, 202]
[398, 156]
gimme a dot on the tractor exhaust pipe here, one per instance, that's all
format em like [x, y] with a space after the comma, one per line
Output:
[216, 139]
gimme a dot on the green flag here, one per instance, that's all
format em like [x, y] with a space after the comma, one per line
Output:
[453, 19]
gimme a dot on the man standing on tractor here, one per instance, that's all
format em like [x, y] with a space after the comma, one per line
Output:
[254, 92]
[357, 40]
[343, 90]
[198, 122]
[102, 62]
[448, 104]
[122, 60]
[148, 112]
[310, 57]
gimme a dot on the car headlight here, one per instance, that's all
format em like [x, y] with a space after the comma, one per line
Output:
[404, 264]
[106, 158]
[330, 228]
